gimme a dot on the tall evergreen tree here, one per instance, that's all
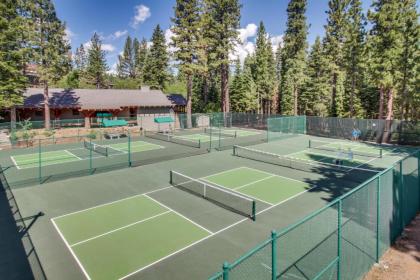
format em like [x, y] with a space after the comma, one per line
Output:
[386, 51]
[224, 16]
[126, 62]
[96, 65]
[293, 58]
[140, 59]
[80, 59]
[12, 81]
[354, 47]
[157, 62]
[316, 90]
[409, 61]
[334, 49]
[136, 51]
[50, 51]
[264, 70]
[186, 37]
[243, 89]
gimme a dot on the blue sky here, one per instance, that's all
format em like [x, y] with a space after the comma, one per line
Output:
[114, 20]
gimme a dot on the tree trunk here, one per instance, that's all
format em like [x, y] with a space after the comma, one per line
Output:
[205, 89]
[225, 88]
[13, 117]
[46, 107]
[381, 103]
[390, 105]
[333, 96]
[189, 100]
[295, 101]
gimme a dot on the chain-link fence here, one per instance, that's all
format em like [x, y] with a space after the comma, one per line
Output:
[343, 239]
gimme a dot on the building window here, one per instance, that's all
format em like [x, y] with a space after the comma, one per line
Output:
[39, 113]
[133, 112]
[76, 112]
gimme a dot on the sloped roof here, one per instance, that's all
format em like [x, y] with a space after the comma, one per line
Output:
[96, 99]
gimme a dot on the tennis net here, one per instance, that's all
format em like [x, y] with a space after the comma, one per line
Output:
[173, 138]
[96, 148]
[354, 174]
[218, 195]
[221, 132]
[336, 146]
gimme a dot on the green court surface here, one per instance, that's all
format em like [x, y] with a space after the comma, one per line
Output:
[63, 156]
[330, 158]
[233, 131]
[135, 146]
[48, 158]
[263, 186]
[195, 137]
[347, 145]
[114, 240]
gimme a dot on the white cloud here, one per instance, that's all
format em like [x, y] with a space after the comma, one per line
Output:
[69, 34]
[108, 47]
[275, 41]
[249, 31]
[247, 42]
[168, 38]
[113, 69]
[105, 47]
[117, 34]
[142, 13]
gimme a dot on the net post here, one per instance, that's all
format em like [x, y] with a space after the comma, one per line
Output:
[254, 211]
[170, 177]
[226, 268]
[39, 162]
[273, 255]
[90, 156]
[380, 153]
[220, 135]
[129, 148]
[309, 145]
[340, 209]
[199, 143]
[378, 209]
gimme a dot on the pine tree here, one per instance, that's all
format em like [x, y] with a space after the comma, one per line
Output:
[12, 81]
[334, 49]
[409, 61]
[293, 58]
[316, 90]
[140, 59]
[264, 72]
[80, 59]
[126, 62]
[96, 65]
[387, 50]
[136, 51]
[186, 38]
[243, 89]
[278, 66]
[223, 22]
[156, 74]
[354, 57]
[50, 51]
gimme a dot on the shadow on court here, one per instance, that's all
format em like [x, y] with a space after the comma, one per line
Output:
[18, 258]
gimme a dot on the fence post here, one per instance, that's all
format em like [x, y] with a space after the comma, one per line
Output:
[129, 149]
[90, 155]
[39, 162]
[378, 211]
[401, 179]
[340, 209]
[226, 271]
[273, 255]
[418, 171]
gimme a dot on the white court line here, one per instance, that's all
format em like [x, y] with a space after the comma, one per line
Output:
[71, 250]
[14, 162]
[120, 228]
[272, 174]
[222, 172]
[215, 233]
[112, 202]
[246, 185]
[179, 214]
[70, 153]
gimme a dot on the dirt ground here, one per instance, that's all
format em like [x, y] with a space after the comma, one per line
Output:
[401, 261]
